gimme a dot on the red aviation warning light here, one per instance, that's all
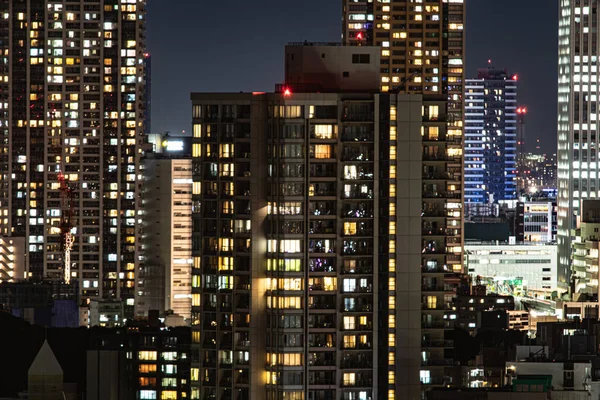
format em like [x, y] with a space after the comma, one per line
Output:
[359, 36]
[515, 77]
[287, 92]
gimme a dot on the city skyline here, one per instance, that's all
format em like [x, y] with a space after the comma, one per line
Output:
[209, 65]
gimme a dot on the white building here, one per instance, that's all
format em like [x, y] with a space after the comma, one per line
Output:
[577, 128]
[513, 267]
[539, 221]
[166, 275]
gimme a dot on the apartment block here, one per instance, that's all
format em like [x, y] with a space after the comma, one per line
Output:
[71, 105]
[319, 218]
[165, 280]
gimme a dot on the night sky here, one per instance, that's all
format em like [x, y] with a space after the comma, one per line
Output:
[237, 45]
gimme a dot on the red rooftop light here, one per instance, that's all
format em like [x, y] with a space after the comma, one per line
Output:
[515, 77]
[287, 92]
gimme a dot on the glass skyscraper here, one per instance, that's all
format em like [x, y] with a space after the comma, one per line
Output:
[490, 137]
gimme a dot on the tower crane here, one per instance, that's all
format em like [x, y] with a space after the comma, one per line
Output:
[66, 219]
[66, 224]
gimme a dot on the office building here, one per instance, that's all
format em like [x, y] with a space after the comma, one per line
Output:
[71, 107]
[539, 221]
[318, 218]
[165, 280]
[511, 269]
[577, 121]
[490, 137]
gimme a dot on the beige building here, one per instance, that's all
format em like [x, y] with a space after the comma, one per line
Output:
[166, 276]
[12, 259]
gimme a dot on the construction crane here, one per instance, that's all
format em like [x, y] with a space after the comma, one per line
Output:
[66, 224]
[66, 205]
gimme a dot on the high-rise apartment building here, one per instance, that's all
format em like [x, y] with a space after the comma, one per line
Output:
[577, 120]
[422, 45]
[422, 51]
[490, 137]
[323, 224]
[71, 103]
[165, 280]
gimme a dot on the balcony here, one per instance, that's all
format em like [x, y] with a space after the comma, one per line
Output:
[437, 343]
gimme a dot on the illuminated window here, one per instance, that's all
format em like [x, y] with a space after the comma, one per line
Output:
[349, 379]
[147, 355]
[349, 228]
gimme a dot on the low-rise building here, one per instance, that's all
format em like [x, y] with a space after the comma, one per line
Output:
[511, 269]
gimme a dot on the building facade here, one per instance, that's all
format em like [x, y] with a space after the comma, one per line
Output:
[166, 277]
[490, 137]
[585, 257]
[310, 252]
[539, 221]
[577, 120]
[71, 102]
[513, 269]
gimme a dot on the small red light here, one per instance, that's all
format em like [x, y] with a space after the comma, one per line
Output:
[359, 36]
[287, 92]
[515, 77]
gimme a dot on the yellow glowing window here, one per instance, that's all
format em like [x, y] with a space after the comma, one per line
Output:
[196, 300]
[392, 133]
[391, 377]
[196, 337]
[391, 358]
[147, 368]
[392, 113]
[197, 130]
[349, 342]
[391, 394]
[392, 209]
[392, 152]
[392, 284]
[196, 188]
[195, 372]
[431, 302]
[147, 355]
[392, 227]
[196, 150]
[392, 321]
[349, 228]
[392, 172]
[392, 302]
[392, 246]
[322, 151]
[434, 133]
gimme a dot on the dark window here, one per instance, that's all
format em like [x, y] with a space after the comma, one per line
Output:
[346, 74]
[361, 58]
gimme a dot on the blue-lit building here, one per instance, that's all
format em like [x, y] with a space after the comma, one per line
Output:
[490, 151]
